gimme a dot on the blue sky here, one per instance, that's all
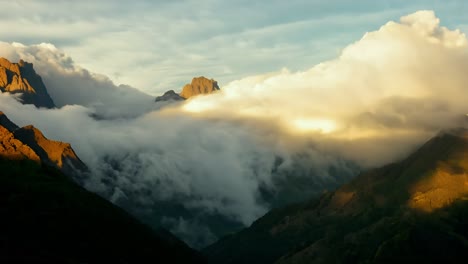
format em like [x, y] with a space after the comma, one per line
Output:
[160, 45]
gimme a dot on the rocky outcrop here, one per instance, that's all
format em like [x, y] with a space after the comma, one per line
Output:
[53, 153]
[169, 96]
[22, 78]
[29, 143]
[199, 85]
[13, 149]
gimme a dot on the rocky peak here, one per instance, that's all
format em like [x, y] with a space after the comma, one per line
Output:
[169, 96]
[22, 78]
[13, 149]
[29, 143]
[199, 85]
[53, 153]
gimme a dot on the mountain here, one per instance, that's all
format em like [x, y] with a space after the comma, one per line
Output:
[48, 218]
[21, 78]
[169, 96]
[415, 210]
[199, 85]
[29, 143]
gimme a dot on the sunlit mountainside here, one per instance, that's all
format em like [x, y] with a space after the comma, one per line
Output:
[413, 210]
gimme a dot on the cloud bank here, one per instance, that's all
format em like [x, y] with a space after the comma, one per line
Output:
[69, 84]
[262, 139]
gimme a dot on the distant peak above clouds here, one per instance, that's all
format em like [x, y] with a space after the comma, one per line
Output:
[22, 78]
[199, 85]
[169, 96]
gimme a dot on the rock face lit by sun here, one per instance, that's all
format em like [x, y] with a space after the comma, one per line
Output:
[314, 125]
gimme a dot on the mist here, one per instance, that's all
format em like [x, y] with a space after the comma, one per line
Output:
[218, 154]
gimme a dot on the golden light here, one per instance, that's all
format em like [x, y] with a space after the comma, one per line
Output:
[314, 125]
[198, 105]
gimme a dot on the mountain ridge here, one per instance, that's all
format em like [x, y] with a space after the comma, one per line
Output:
[21, 78]
[30, 143]
[409, 210]
[199, 86]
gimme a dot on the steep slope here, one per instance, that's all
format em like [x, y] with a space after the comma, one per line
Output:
[47, 218]
[14, 149]
[6, 123]
[415, 210]
[22, 78]
[53, 153]
[29, 143]
[169, 96]
[199, 85]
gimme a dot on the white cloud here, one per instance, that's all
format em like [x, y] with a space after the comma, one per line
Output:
[151, 45]
[405, 79]
[70, 84]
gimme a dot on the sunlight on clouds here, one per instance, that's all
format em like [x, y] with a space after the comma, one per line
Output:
[199, 106]
[408, 76]
[314, 125]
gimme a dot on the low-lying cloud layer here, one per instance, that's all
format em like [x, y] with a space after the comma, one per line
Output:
[218, 154]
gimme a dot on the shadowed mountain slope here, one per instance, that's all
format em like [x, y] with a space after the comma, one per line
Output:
[415, 210]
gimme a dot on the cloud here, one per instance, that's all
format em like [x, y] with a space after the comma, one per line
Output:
[169, 42]
[69, 84]
[404, 78]
[263, 139]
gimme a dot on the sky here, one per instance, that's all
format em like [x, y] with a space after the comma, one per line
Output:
[160, 45]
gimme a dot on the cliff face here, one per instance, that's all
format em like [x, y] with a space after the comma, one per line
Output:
[199, 85]
[29, 143]
[21, 78]
[14, 149]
